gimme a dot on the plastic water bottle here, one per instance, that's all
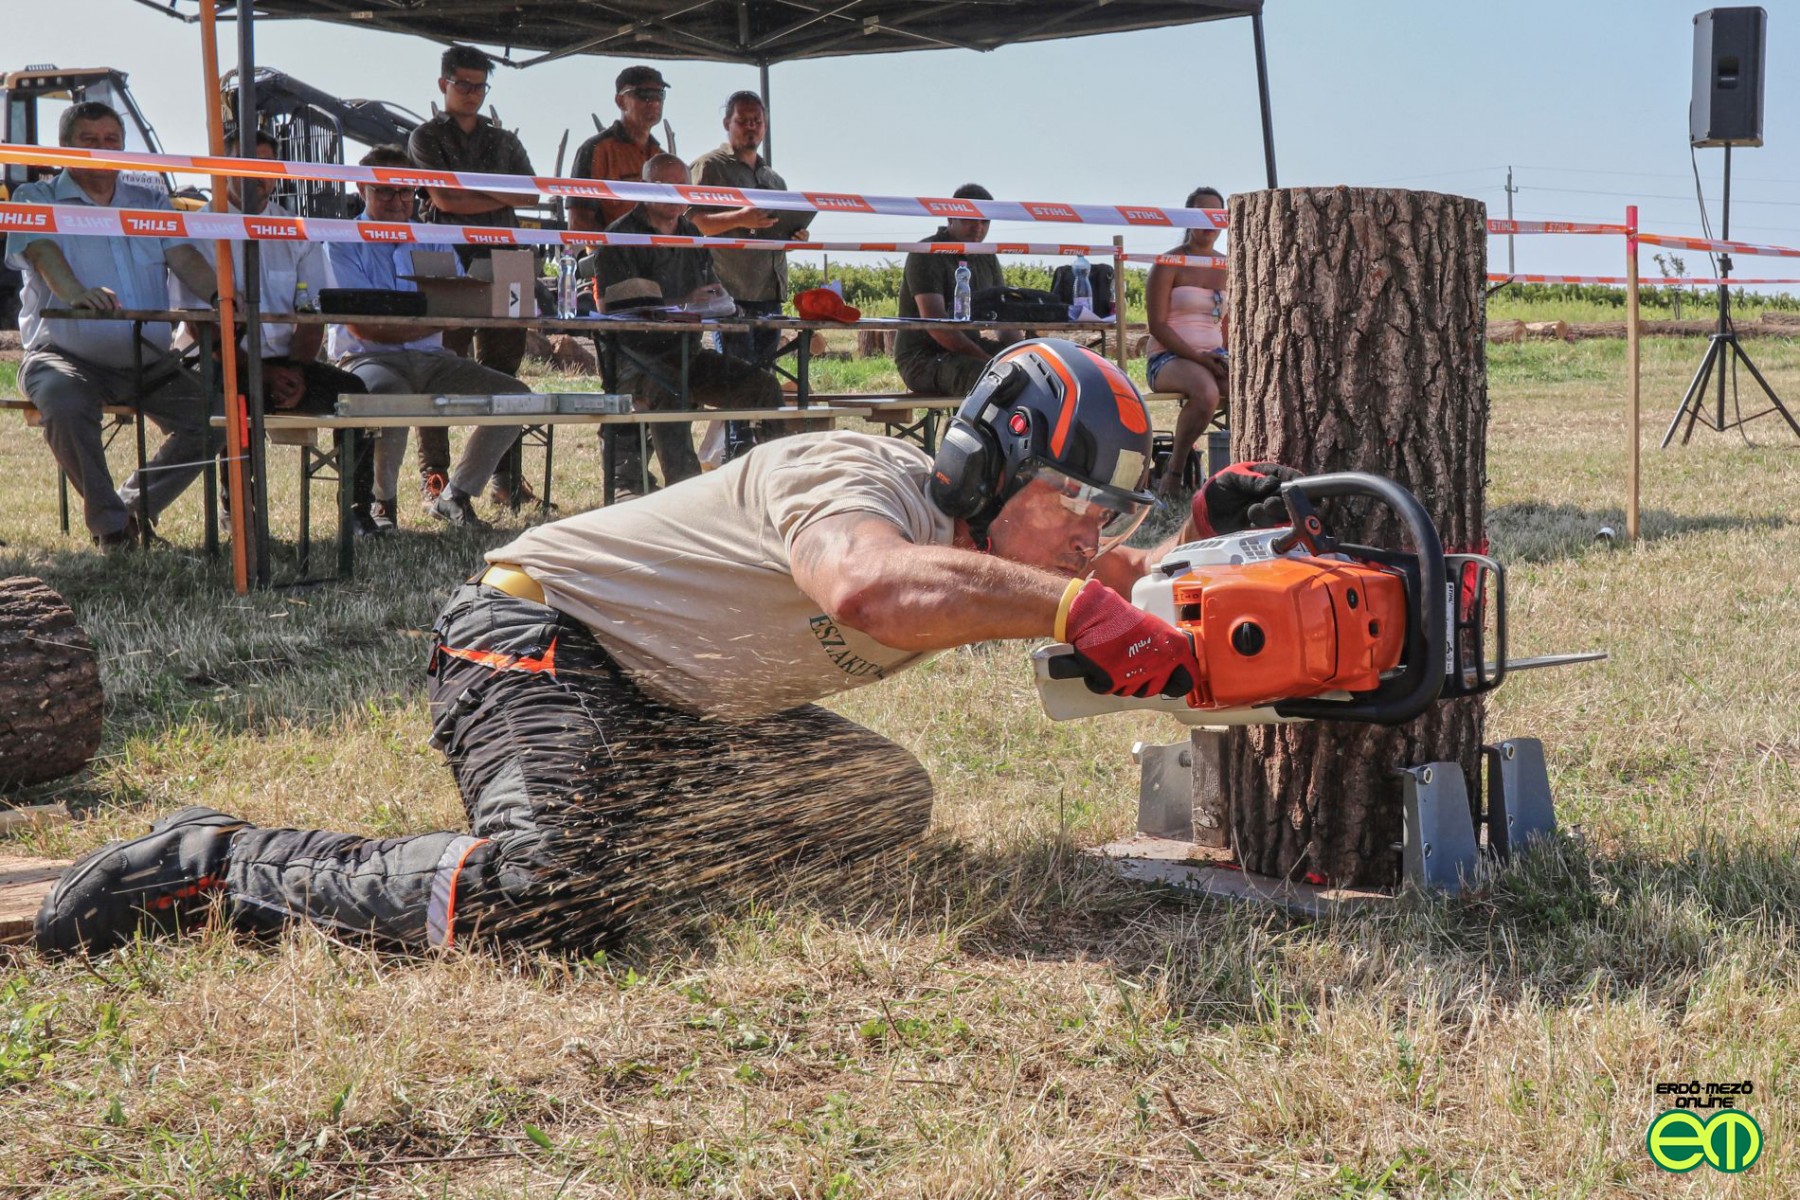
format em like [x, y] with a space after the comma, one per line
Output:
[1083, 303]
[303, 301]
[566, 289]
[964, 299]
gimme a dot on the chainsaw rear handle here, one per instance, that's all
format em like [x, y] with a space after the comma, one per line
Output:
[1420, 678]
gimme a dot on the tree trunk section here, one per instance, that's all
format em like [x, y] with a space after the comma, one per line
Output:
[50, 699]
[1357, 318]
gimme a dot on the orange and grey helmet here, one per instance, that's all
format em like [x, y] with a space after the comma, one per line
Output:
[1051, 411]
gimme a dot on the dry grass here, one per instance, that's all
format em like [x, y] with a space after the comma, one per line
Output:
[994, 1017]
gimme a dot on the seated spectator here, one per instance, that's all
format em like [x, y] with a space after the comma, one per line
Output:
[650, 363]
[293, 378]
[72, 369]
[406, 359]
[621, 149]
[947, 362]
[461, 139]
[1187, 338]
[756, 279]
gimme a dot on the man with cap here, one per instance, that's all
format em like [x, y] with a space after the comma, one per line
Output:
[947, 362]
[621, 149]
[650, 363]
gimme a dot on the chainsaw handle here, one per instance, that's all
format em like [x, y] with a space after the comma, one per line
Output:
[1416, 687]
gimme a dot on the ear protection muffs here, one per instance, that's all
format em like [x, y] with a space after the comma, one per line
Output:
[965, 478]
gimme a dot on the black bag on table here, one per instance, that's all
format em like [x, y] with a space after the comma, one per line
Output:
[1100, 278]
[1023, 305]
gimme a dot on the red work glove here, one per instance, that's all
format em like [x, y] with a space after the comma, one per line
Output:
[1245, 495]
[1125, 650]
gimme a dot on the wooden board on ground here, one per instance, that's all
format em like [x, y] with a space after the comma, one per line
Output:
[24, 882]
[1205, 871]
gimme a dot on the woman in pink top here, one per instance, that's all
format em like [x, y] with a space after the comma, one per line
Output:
[1187, 336]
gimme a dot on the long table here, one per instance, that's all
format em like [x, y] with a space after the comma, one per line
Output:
[600, 329]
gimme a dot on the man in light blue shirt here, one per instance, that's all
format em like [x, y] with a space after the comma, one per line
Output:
[72, 369]
[401, 359]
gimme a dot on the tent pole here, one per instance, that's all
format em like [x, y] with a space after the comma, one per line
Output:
[1262, 91]
[253, 388]
[228, 350]
[768, 151]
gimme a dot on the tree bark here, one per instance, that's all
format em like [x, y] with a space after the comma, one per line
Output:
[1357, 320]
[50, 699]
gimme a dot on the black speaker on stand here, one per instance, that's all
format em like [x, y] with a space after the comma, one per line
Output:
[1726, 110]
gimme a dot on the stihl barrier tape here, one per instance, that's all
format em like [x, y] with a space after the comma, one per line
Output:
[1693, 243]
[697, 194]
[1645, 281]
[615, 189]
[204, 225]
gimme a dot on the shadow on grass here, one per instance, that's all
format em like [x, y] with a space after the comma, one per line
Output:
[1562, 926]
[1547, 532]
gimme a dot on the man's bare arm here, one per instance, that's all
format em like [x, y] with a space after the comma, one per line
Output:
[190, 266]
[865, 574]
[46, 258]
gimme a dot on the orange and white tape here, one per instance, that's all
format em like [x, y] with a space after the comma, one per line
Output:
[1501, 226]
[85, 220]
[632, 190]
[1646, 281]
[1715, 244]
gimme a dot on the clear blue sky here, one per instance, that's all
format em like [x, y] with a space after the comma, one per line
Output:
[1587, 101]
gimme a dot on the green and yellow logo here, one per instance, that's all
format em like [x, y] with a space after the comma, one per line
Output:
[1728, 1141]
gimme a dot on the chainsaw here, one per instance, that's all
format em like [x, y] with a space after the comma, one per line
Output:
[1290, 624]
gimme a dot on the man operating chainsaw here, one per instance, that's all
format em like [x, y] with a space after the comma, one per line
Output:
[626, 697]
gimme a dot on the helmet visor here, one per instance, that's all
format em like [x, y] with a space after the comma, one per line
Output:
[1114, 513]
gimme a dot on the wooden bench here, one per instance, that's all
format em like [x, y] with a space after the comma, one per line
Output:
[302, 429]
[912, 415]
[117, 417]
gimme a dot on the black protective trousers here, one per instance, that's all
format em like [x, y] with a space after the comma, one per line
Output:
[589, 804]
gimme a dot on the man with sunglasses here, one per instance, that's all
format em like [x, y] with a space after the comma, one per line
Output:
[626, 698]
[460, 139]
[621, 149]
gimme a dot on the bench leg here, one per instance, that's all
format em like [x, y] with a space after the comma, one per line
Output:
[347, 450]
[308, 467]
[62, 499]
[549, 458]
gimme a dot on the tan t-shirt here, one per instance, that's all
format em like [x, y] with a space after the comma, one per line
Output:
[690, 589]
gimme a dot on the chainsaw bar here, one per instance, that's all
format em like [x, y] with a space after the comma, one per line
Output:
[1550, 660]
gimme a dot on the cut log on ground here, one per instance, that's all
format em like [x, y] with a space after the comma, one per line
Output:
[24, 882]
[1357, 321]
[50, 699]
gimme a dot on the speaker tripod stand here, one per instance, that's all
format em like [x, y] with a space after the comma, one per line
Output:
[1723, 353]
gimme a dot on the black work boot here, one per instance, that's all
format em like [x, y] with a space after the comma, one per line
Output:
[157, 883]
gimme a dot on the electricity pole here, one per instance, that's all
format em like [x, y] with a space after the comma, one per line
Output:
[1511, 191]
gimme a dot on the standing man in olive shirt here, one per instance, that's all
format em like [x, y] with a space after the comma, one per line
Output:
[650, 363]
[947, 362]
[621, 149]
[756, 279]
[461, 139]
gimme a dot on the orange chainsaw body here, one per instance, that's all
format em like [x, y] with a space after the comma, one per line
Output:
[1290, 626]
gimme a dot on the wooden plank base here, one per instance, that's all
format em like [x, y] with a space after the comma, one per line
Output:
[1206, 871]
[24, 882]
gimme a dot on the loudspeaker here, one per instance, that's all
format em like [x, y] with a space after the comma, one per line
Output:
[1727, 106]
